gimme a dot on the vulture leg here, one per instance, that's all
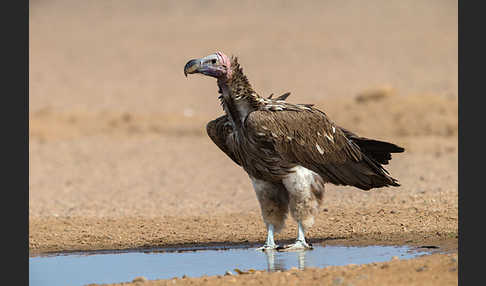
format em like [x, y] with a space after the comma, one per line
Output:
[274, 204]
[306, 190]
[270, 242]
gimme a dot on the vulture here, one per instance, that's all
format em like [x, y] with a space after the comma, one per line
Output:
[289, 151]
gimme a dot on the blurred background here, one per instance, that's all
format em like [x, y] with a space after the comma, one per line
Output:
[116, 128]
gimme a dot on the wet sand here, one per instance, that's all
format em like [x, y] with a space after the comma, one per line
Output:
[119, 158]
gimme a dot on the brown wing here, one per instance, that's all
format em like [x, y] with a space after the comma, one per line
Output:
[305, 136]
[218, 130]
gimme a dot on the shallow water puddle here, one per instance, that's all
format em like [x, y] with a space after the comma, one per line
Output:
[115, 267]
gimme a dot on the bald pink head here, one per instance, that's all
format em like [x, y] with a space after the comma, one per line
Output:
[225, 61]
[216, 65]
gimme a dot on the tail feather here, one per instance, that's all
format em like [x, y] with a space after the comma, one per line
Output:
[379, 151]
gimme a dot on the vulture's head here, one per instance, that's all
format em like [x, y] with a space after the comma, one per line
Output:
[217, 65]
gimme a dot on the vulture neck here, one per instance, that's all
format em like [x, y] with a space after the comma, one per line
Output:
[237, 96]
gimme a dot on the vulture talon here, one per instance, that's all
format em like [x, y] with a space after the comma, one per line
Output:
[267, 248]
[297, 246]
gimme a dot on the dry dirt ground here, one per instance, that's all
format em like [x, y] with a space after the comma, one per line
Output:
[119, 157]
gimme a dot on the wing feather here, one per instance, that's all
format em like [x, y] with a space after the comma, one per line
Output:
[219, 130]
[306, 136]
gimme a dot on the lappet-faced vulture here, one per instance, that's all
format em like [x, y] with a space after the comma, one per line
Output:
[288, 150]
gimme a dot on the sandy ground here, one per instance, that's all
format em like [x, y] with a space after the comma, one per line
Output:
[119, 157]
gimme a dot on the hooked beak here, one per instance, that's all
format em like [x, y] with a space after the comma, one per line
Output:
[209, 66]
[192, 66]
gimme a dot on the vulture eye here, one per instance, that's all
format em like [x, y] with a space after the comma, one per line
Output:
[213, 61]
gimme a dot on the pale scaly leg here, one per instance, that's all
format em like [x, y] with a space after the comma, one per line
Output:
[300, 243]
[270, 243]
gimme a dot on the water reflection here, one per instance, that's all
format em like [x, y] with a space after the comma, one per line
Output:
[276, 259]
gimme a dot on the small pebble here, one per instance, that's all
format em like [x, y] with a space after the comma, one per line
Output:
[228, 273]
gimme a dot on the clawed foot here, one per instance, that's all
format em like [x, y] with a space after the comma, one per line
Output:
[267, 247]
[298, 245]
